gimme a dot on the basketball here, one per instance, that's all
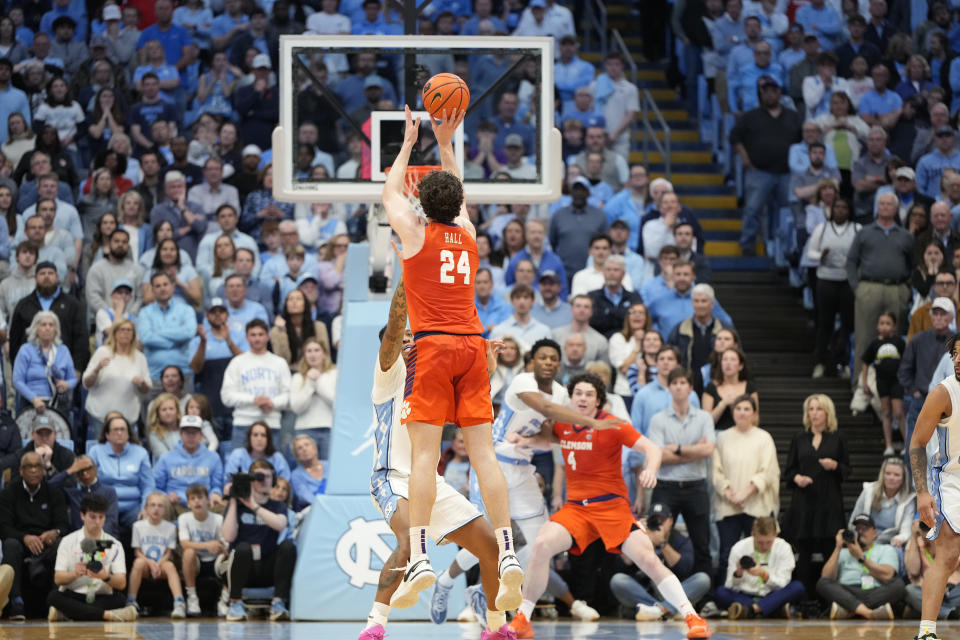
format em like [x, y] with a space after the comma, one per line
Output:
[445, 91]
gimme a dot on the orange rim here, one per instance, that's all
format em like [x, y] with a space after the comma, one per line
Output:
[414, 175]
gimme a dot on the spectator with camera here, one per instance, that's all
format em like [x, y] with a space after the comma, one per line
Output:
[258, 446]
[676, 552]
[199, 532]
[254, 521]
[860, 577]
[189, 463]
[758, 579]
[33, 516]
[90, 571]
[154, 543]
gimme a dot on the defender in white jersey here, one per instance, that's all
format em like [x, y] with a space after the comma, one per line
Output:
[532, 399]
[936, 440]
[453, 519]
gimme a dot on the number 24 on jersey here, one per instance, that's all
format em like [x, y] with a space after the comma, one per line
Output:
[447, 264]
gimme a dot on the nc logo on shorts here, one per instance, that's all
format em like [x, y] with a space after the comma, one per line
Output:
[355, 547]
[404, 410]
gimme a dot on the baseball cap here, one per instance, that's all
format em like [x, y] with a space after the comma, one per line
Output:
[46, 264]
[583, 182]
[64, 21]
[549, 274]
[568, 39]
[537, 3]
[215, 303]
[906, 172]
[111, 12]
[944, 304]
[252, 150]
[513, 140]
[768, 81]
[262, 61]
[864, 519]
[98, 40]
[620, 223]
[122, 282]
[191, 422]
[304, 277]
[373, 81]
[659, 510]
[596, 121]
[946, 129]
[40, 422]
[796, 26]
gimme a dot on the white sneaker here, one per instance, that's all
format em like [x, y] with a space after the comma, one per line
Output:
[193, 604]
[509, 595]
[418, 577]
[647, 613]
[582, 611]
[128, 613]
[54, 615]
[179, 609]
[223, 604]
[818, 371]
[889, 451]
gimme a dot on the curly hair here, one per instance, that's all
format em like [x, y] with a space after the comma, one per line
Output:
[441, 195]
[595, 381]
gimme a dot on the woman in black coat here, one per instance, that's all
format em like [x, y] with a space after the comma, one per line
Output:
[817, 465]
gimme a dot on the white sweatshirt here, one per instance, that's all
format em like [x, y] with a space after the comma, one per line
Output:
[250, 375]
[313, 400]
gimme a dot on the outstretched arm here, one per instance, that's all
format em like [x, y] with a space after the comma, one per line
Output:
[444, 132]
[401, 217]
[392, 341]
[935, 408]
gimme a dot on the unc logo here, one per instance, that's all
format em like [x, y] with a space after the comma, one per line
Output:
[404, 410]
[355, 547]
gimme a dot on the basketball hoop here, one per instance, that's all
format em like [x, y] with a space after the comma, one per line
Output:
[411, 183]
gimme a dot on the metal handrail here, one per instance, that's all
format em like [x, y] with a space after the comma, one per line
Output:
[597, 19]
[647, 104]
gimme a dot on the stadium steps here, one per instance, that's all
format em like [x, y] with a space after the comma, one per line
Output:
[697, 178]
[778, 336]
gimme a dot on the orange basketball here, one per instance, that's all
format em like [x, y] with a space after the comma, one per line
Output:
[445, 92]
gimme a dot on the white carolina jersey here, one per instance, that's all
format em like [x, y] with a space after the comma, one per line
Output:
[391, 457]
[516, 417]
[944, 450]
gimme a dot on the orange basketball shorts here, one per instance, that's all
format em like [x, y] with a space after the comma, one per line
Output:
[610, 521]
[447, 381]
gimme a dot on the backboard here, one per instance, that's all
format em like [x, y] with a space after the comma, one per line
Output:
[352, 89]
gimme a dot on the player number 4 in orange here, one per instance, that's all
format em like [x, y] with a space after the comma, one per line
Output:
[462, 264]
[572, 461]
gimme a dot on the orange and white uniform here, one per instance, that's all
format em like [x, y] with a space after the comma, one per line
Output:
[447, 377]
[597, 503]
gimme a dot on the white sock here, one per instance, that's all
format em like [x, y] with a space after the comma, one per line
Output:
[504, 537]
[465, 560]
[927, 626]
[672, 591]
[526, 608]
[418, 544]
[496, 619]
[378, 615]
[444, 579]
[191, 591]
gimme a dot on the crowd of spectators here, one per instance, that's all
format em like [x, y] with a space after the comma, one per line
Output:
[171, 329]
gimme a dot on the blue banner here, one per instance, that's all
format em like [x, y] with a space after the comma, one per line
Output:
[342, 546]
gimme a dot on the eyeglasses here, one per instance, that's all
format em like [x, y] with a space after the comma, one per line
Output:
[944, 283]
[345, 245]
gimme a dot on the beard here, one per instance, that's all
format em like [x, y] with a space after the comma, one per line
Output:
[47, 291]
[119, 254]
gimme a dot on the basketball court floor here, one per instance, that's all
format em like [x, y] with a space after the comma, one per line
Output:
[606, 630]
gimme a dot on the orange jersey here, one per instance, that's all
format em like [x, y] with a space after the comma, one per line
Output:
[591, 458]
[439, 282]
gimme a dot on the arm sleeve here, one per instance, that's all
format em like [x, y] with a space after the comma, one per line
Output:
[146, 480]
[720, 480]
[813, 248]
[767, 475]
[231, 391]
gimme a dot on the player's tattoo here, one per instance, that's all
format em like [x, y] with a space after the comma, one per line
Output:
[396, 324]
[392, 571]
[918, 464]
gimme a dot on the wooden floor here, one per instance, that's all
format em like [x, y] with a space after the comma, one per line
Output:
[605, 630]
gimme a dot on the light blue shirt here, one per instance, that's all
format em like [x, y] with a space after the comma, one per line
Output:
[742, 87]
[239, 317]
[30, 371]
[943, 371]
[555, 318]
[525, 333]
[876, 103]
[788, 58]
[850, 571]
[827, 22]
[568, 77]
[929, 169]
[165, 333]
[223, 23]
[494, 312]
[667, 427]
[622, 206]
[12, 100]
[650, 400]
[671, 309]
[726, 35]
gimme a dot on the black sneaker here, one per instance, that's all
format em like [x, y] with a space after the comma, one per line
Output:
[17, 613]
